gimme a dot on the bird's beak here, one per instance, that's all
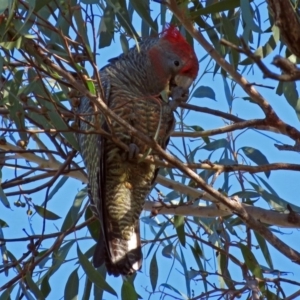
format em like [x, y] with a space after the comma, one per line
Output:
[183, 81]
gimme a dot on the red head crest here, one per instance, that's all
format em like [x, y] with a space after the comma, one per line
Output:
[173, 36]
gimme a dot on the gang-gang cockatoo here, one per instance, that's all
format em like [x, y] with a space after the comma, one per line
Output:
[132, 85]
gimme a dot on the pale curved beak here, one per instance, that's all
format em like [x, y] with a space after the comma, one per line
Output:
[183, 81]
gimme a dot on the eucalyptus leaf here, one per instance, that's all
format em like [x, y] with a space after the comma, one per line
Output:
[204, 92]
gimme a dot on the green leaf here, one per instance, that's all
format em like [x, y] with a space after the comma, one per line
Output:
[267, 185]
[17, 44]
[3, 198]
[24, 26]
[72, 286]
[266, 49]
[199, 128]
[72, 214]
[45, 259]
[124, 43]
[61, 182]
[150, 221]
[40, 4]
[45, 286]
[153, 271]
[223, 265]
[128, 291]
[217, 144]
[98, 292]
[158, 234]
[93, 275]
[248, 17]
[7, 292]
[227, 92]
[3, 224]
[50, 105]
[271, 296]
[33, 287]
[196, 250]
[4, 4]
[292, 97]
[179, 225]
[90, 1]
[143, 9]
[230, 35]
[273, 200]
[167, 251]
[251, 261]
[246, 194]
[120, 9]
[264, 249]
[16, 111]
[204, 92]
[257, 157]
[168, 286]
[94, 227]
[87, 289]
[91, 86]
[45, 213]
[106, 27]
[81, 27]
[217, 7]
[186, 276]
[59, 256]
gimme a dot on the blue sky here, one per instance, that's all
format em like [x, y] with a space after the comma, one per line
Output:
[284, 182]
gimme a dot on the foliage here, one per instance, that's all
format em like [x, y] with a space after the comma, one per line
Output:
[222, 194]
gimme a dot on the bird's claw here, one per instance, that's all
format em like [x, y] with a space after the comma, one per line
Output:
[178, 95]
[132, 152]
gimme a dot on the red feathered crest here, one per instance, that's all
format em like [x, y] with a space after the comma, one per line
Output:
[173, 36]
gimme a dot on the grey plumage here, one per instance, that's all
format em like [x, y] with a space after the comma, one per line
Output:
[132, 85]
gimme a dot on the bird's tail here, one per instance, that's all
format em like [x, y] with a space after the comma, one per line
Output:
[121, 257]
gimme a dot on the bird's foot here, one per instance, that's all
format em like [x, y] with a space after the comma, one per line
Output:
[178, 95]
[132, 153]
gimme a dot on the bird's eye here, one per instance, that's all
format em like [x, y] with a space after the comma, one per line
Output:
[176, 63]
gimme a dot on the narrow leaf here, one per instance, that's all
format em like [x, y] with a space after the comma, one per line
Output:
[264, 249]
[204, 92]
[217, 7]
[274, 200]
[199, 128]
[72, 214]
[167, 251]
[186, 276]
[153, 271]
[3, 198]
[45, 213]
[217, 144]
[227, 92]
[33, 287]
[251, 261]
[168, 286]
[179, 225]
[256, 156]
[93, 275]
[3, 224]
[60, 255]
[87, 289]
[128, 291]
[72, 285]
[45, 286]
[61, 182]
